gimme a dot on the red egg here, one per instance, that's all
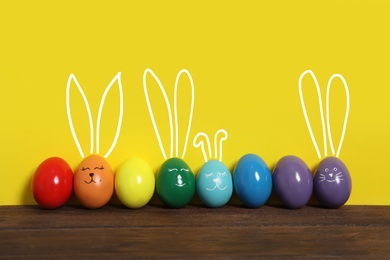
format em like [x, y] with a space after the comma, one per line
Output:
[52, 183]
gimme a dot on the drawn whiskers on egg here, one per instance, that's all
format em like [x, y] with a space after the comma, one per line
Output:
[338, 177]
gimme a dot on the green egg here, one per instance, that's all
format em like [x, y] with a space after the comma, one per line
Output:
[175, 183]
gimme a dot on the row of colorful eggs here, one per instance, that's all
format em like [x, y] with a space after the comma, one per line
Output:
[134, 182]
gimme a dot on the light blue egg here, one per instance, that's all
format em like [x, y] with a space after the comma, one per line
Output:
[214, 184]
[252, 181]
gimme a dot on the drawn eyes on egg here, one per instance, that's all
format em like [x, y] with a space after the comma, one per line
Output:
[176, 170]
[96, 168]
[334, 169]
[220, 174]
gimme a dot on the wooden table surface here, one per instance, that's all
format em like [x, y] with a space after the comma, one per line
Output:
[28, 232]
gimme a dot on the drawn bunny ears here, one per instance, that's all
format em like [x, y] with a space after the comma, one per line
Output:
[174, 131]
[220, 136]
[72, 78]
[327, 125]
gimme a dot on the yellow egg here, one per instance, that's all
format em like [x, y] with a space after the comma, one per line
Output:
[134, 183]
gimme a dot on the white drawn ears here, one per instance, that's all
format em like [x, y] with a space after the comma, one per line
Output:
[327, 125]
[220, 136]
[174, 131]
[72, 78]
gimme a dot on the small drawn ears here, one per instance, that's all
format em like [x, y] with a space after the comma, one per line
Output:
[220, 136]
[327, 125]
[174, 131]
[72, 78]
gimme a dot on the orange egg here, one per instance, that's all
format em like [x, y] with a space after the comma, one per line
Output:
[93, 182]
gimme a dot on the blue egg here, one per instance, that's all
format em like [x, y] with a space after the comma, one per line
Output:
[252, 181]
[214, 184]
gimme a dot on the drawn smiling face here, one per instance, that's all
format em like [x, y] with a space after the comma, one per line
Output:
[331, 171]
[332, 183]
[214, 184]
[175, 183]
[218, 180]
[179, 178]
[331, 175]
[93, 182]
[92, 174]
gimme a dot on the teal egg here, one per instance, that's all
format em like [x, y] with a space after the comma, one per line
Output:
[214, 184]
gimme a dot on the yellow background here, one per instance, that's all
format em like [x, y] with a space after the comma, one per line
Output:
[245, 58]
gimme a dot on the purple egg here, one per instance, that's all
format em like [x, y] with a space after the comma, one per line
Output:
[293, 182]
[332, 183]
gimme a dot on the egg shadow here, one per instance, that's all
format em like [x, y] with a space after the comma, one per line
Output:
[155, 201]
[27, 193]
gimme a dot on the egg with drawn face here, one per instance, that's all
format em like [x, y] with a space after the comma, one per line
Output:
[175, 183]
[332, 183]
[93, 182]
[214, 184]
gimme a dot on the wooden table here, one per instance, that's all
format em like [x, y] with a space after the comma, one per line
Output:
[229, 232]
